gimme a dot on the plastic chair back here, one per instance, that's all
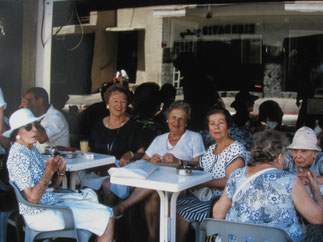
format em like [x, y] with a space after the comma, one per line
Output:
[243, 230]
[69, 231]
[8, 209]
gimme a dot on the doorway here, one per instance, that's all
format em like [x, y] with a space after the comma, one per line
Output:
[127, 54]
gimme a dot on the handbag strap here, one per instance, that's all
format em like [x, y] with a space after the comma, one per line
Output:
[250, 178]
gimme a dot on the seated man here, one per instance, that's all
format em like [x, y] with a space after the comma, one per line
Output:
[54, 130]
[306, 155]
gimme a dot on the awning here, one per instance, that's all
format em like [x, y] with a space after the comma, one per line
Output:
[120, 29]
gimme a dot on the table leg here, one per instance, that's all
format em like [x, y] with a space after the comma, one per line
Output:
[163, 220]
[173, 216]
[64, 182]
[73, 177]
[167, 223]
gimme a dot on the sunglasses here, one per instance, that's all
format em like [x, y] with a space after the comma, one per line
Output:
[29, 126]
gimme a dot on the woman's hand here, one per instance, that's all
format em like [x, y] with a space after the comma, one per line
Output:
[52, 164]
[170, 158]
[155, 159]
[61, 165]
[312, 182]
[126, 158]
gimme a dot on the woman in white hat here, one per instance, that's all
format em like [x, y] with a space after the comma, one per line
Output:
[304, 157]
[305, 154]
[262, 193]
[30, 173]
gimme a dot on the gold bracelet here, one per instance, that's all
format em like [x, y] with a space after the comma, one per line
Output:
[61, 174]
[43, 183]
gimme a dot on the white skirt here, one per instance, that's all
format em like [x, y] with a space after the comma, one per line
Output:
[88, 214]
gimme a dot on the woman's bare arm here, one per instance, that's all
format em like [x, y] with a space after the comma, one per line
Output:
[221, 183]
[310, 208]
[128, 156]
[34, 194]
[222, 206]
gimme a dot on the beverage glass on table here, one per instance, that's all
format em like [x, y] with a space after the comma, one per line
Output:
[84, 145]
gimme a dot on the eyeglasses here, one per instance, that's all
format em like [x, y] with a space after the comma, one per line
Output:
[29, 126]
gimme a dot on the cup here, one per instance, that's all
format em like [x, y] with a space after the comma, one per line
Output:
[84, 145]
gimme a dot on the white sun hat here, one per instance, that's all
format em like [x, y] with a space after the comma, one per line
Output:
[20, 118]
[305, 139]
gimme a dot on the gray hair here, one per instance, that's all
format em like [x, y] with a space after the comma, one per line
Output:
[179, 104]
[268, 145]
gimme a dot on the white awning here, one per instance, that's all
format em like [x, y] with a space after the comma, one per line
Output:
[119, 29]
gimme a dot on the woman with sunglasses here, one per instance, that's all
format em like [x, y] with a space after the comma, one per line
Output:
[33, 176]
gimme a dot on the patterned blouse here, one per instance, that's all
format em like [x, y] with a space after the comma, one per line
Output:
[265, 200]
[217, 164]
[26, 168]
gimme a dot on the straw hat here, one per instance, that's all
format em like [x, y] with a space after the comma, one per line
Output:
[20, 118]
[304, 139]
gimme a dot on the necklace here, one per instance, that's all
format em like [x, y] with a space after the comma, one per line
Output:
[169, 144]
[110, 126]
[110, 145]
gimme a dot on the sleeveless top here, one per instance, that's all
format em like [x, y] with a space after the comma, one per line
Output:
[266, 200]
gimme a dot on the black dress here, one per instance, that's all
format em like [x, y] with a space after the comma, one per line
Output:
[116, 142]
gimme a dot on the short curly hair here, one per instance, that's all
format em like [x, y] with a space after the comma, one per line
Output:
[268, 145]
[115, 88]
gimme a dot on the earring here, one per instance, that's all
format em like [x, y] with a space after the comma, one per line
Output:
[107, 106]
[18, 136]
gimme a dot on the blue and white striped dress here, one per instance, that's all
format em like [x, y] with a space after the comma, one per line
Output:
[191, 208]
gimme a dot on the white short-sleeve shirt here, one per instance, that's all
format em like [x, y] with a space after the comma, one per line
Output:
[3, 104]
[56, 128]
[187, 148]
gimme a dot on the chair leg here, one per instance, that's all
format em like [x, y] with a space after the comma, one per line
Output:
[29, 237]
[19, 225]
[4, 224]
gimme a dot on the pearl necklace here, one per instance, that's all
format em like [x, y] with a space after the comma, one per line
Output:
[167, 141]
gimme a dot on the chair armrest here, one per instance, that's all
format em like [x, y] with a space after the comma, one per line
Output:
[66, 211]
[63, 190]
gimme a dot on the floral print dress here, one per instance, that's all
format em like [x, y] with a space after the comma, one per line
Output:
[265, 200]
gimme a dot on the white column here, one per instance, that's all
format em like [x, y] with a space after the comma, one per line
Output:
[44, 44]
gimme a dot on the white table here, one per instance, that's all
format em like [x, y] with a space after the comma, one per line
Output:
[80, 162]
[168, 185]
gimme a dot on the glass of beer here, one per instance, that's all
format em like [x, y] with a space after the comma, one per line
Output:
[84, 145]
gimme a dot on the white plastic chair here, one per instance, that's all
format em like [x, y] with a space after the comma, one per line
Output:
[70, 231]
[9, 210]
[241, 231]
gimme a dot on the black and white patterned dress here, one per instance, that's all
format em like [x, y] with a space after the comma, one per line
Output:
[189, 206]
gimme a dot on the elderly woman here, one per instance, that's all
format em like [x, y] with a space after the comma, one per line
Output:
[33, 176]
[272, 194]
[305, 155]
[177, 147]
[220, 159]
[116, 135]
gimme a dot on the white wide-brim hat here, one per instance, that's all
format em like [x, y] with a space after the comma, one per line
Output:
[304, 139]
[20, 118]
